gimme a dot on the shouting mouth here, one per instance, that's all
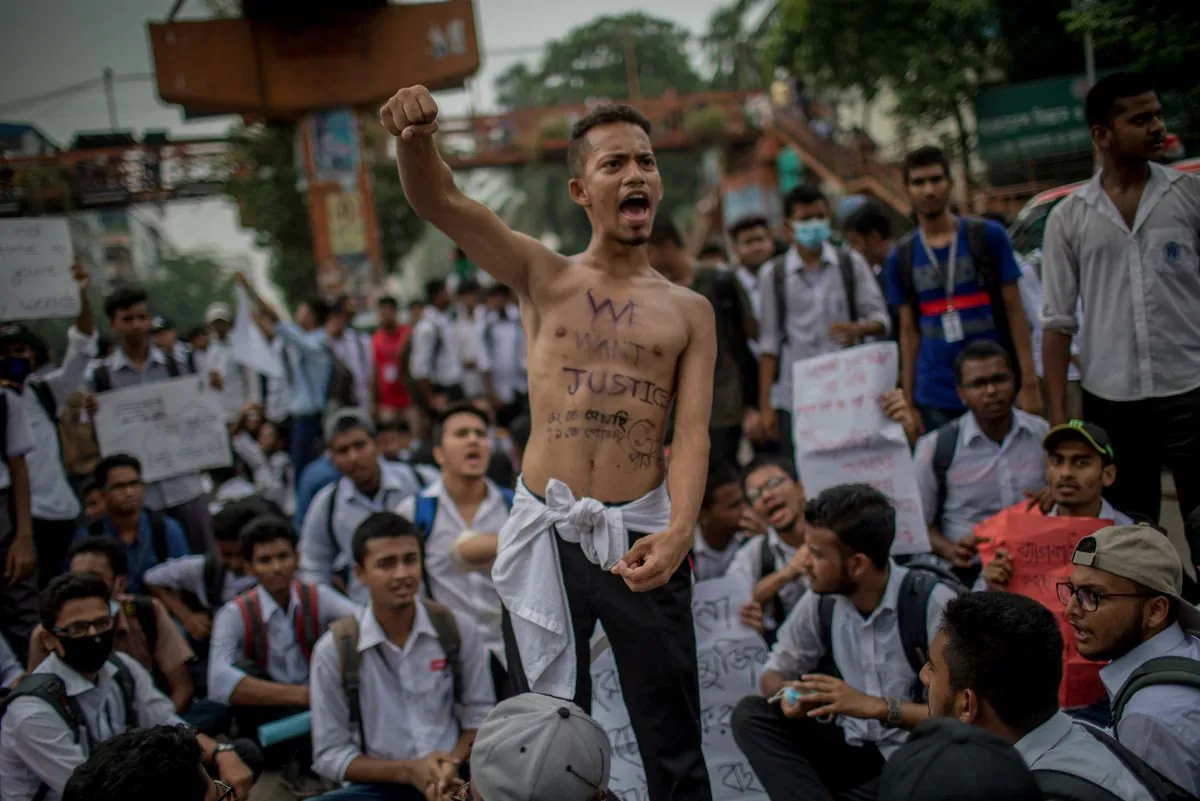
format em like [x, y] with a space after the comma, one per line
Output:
[778, 515]
[635, 208]
[473, 458]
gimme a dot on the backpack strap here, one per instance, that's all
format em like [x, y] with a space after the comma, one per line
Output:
[172, 365]
[766, 566]
[987, 273]
[945, 445]
[254, 633]
[508, 496]
[1062, 786]
[214, 580]
[424, 513]
[849, 282]
[827, 604]
[1176, 670]
[49, 688]
[141, 608]
[125, 681]
[158, 536]
[779, 278]
[101, 379]
[308, 618]
[1159, 786]
[333, 497]
[45, 396]
[450, 639]
[912, 615]
[905, 250]
[345, 634]
[191, 360]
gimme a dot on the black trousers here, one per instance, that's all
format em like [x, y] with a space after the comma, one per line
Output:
[654, 643]
[51, 540]
[18, 599]
[802, 759]
[724, 444]
[785, 446]
[1146, 436]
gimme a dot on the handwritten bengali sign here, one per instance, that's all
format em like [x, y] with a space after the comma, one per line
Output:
[843, 437]
[731, 658]
[173, 427]
[35, 270]
[1041, 548]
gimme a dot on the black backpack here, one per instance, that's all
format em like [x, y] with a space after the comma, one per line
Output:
[1174, 670]
[1062, 786]
[944, 448]
[773, 607]
[728, 309]
[912, 610]
[343, 391]
[102, 379]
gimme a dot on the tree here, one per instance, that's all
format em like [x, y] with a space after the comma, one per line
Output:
[183, 285]
[732, 45]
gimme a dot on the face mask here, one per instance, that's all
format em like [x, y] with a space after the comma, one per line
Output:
[87, 654]
[15, 369]
[811, 234]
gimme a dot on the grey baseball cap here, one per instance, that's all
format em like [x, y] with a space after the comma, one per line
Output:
[539, 748]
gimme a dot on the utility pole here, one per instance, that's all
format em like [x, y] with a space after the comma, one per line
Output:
[631, 69]
[111, 99]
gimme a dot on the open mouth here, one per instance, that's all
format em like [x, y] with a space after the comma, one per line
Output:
[636, 207]
[778, 514]
[474, 458]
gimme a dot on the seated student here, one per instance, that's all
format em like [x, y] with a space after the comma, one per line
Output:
[866, 620]
[143, 629]
[399, 690]
[266, 454]
[316, 476]
[774, 561]
[368, 484]
[718, 534]
[94, 507]
[1124, 601]
[395, 440]
[463, 505]
[49, 727]
[1079, 467]
[150, 538]
[262, 640]
[139, 765]
[996, 662]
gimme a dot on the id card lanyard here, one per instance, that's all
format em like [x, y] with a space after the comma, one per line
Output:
[952, 328]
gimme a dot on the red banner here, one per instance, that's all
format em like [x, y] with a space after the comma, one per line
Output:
[1040, 548]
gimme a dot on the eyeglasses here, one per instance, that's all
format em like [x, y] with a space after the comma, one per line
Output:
[1089, 600]
[983, 382]
[224, 791]
[770, 484]
[82, 628]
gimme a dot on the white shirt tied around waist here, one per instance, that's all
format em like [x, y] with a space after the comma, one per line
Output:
[538, 607]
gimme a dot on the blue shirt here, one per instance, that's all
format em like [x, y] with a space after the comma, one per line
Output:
[935, 359]
[314, 363]
[140, 555]
[318, 475]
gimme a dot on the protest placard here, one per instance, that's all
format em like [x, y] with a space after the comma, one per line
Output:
[248, 342]
[35, 269]
[173, 427]
[843, 437]
[1040, 549]
[731, 658]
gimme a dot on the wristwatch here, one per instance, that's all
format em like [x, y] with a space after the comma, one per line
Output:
[895, 712]
[220, 749]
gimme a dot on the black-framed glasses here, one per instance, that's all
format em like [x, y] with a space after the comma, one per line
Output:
[770, 484]
[224, 791]
[82, 628]
[1089, 600]
[983, 382]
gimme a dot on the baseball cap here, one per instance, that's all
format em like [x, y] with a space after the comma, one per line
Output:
[945, 759]
[539, 748]
[1090, 434]
[1145, 556]
[217, 311]
[160, 323]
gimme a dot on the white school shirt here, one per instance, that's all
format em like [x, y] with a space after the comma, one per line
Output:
[1030, 286]
[186, 574]
[434, 356]
[323, 553]
[18, 440]
[502, 354]
[468, 592]
[1064, 745]
[274, 478]
[868, 652]
[406, 694]
[709, 563]
[37, 746]
[285, 659]
[357, 353]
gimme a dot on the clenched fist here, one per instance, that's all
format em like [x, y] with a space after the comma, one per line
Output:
[411, 112]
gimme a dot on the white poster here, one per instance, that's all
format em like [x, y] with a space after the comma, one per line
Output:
[35, 269]
[731, 657]
[173, 427]
[249, 343]
[843, 437]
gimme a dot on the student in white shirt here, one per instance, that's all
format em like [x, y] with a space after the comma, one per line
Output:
[266, 454]
[718, 534]
[18, 582]
[418, 703]
[434, 362]
[850, 625]
[354, 349]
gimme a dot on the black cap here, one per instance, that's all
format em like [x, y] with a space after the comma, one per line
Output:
[948, 760]
[160, 324]
[1089, 434]
[19, 333]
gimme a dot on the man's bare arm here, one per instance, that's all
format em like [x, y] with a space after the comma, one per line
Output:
[510, 257]
[910, 347]
[693, 408]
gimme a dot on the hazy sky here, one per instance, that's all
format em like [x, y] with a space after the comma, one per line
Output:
[48, 44]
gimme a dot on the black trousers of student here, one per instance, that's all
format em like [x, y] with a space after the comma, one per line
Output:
[51, 540]
[802, 759]
[654, 642]
[18, 599]
[1146, 436]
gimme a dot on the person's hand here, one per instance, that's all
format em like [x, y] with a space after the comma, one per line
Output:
[91, 403]
[428, 772]
[21, 559]
[752, 425]
[845, 333]
[198, 625]
[409, 114]
[214, 379]
[830, 696]
[965, 550]
[751, 615]
[1043, 499]
[750, 523]
[240, 279]
[1030, 398]
[799, 708]
[798, 564]
[445, 786]
[653, 559]
[83, 281]
[770, 424]
[234, 772]
[998, 572]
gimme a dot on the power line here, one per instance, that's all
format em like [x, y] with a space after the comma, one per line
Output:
[75, 88]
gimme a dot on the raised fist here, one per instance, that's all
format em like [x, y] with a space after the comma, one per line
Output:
[410, 113]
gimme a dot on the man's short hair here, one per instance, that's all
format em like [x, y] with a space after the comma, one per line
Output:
[769, 460]
[976, 351]
[110, 463]
[122, 298]
[111, 549]
[1100, 106]
[664, 230]
[720, 474]
[747, 224]
[608, 114]
[1008, 649]
[397, 425]
[378, 526]
[386, 300]
[862, 517]
[433, 288]
[712, 249]
[264, 529]
[867, 218]
[140, 765]
[236, 515]
[68, 587]
[926, 156]
[347, 419]
[461, 407]
[802, 195]
[519, 430]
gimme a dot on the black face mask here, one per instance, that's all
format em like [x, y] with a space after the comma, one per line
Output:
[87, 654]
[15, 369]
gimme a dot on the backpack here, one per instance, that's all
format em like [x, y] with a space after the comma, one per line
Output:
[342, 391]
[425, 511]
[845, 266]
[1063, 786]
[102, 379]
[50, 689]
[307, 623]
[345, 634]
[728, 309]
[912, 611]
[987, 275]
[333, 498]
[944, 448]
[1176, 670]
[158, 534]
[773, 607]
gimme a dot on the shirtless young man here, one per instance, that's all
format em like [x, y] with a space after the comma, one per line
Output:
[592, 534]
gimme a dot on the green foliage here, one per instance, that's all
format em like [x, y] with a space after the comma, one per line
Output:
[733, 47]
[182, 287]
